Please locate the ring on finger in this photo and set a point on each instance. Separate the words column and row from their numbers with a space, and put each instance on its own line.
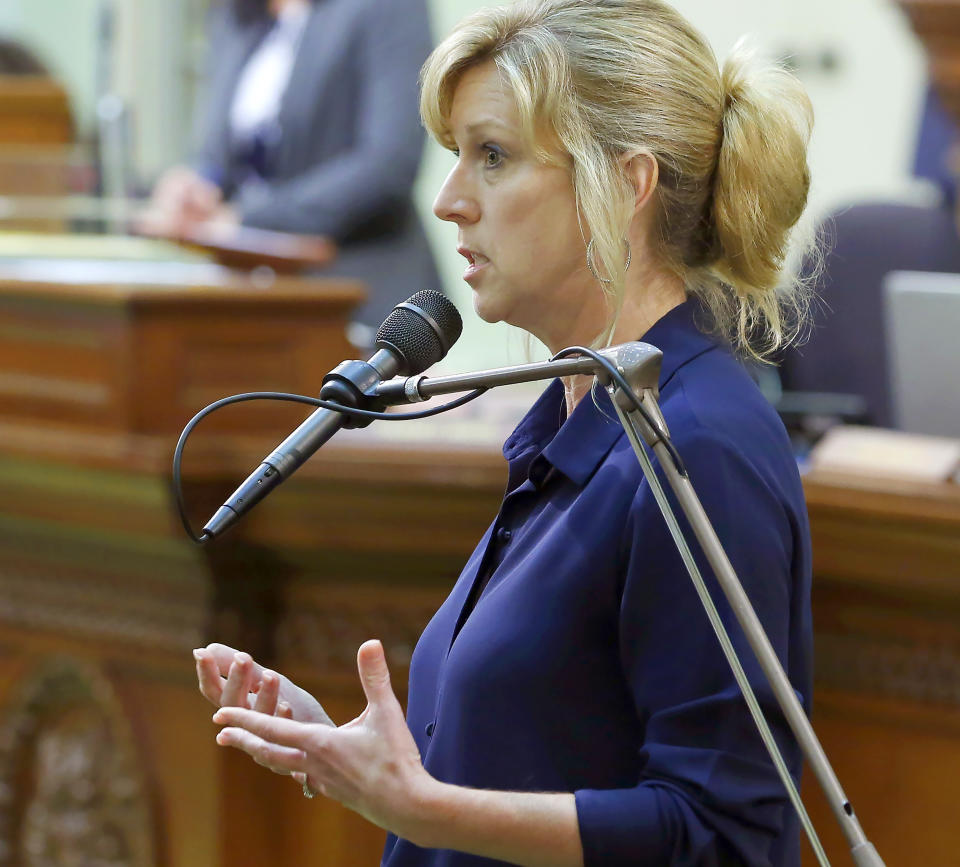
column 307, row 791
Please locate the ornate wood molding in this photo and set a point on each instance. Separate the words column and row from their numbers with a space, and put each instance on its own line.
column 72, row 791
column 917, row 671
column 98, row 607
column 325, row 624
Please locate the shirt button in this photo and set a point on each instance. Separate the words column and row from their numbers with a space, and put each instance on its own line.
column 429, row 729
column 504, row 535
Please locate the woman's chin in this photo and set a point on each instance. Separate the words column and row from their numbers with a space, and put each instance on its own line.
column 486, row 307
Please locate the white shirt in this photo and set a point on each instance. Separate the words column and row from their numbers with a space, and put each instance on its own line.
column 256, row 101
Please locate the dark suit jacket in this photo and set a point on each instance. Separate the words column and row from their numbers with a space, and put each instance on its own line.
column 349, row 139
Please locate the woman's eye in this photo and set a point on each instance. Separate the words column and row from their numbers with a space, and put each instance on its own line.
column 492, row 157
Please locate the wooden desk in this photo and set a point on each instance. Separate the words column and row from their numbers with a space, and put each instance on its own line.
column 36, row 129
column 102, row 598
column 887, row 702
column 139, row 347
column 104, row 748
column 34, row 110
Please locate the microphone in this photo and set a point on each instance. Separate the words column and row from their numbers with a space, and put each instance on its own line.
column 416, row 334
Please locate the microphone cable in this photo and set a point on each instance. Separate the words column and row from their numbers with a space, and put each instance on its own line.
column 290, row 398
column 624, row 386
column 605, row 363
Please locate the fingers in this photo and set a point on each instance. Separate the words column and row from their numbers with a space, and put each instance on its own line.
column 224, row 656
column 243, row 677
column 228, row 677
column 275, row 729
column 239, row 682
column 374, row 674
column 205, row 198
column 208, row 677
column 245, row 680
column 268, row 694
column 276, row 757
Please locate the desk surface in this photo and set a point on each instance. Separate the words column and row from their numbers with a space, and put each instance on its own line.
column 41, row 245
column 132, row 347
column 108, row 280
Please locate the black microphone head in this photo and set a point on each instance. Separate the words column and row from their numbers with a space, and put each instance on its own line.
column 421, row 330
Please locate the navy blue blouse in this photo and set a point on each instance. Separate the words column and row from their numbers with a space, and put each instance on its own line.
column 586, row 663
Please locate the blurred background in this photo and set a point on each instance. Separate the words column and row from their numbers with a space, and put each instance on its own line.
column 202, row 198
column 861, row 62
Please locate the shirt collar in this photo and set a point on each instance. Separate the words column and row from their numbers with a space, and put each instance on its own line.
column 576, row 448
column 678, row 337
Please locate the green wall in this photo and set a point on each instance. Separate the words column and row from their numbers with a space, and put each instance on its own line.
column 62, row 33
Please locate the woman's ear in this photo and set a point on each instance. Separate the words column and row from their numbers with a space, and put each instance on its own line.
column 643, row 173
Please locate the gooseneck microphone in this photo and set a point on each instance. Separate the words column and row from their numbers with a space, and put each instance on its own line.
column 416, row 334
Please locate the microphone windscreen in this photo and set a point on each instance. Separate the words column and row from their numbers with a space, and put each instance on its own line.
column 421, row 330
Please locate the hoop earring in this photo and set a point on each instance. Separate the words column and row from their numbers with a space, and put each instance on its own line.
column 593, row 267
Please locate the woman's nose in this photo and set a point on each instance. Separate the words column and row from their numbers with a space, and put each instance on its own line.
column 454, row 202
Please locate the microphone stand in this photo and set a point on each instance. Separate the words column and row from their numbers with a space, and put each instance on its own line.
column 639, row 365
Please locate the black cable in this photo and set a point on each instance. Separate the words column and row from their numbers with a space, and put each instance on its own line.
column 622, row 383
column 605, row 363
column 291, row 398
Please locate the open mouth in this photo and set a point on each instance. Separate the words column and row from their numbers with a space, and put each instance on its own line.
column 472, row 256
column 476, row 261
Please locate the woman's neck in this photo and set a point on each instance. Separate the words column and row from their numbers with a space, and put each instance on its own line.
column 648, row 296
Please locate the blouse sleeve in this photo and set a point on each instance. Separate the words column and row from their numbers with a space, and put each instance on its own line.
column 708, row 793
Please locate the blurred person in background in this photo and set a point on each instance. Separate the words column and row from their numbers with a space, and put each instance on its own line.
column 309, row 125
column 847, row 350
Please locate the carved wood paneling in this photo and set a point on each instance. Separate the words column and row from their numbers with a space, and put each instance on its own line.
column 72, row 793
column 886, row 606
column 923, row 672
column 103, row 607
column 324, row 625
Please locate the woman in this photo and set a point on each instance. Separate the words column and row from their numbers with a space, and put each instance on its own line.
column 568, row 704
column 309, row 126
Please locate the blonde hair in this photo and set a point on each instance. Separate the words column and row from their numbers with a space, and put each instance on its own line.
column 610, row 77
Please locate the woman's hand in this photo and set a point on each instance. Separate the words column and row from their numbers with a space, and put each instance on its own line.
column 187, row 194
column 181, row 198
column 370, row 765
column 230, row 678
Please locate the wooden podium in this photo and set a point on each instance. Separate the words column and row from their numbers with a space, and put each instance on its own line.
column 34, row 110
column 106, row 748
column 136, row 348
column 36, row 135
